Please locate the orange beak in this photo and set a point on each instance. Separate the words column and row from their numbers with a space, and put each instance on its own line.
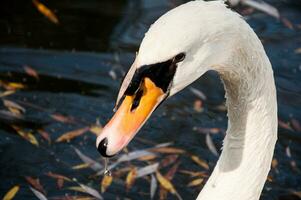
column 129, row 118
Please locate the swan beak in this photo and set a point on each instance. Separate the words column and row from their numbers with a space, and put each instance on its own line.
column 129, row 118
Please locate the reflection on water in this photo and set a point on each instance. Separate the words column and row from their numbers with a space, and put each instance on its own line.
column 76, row 90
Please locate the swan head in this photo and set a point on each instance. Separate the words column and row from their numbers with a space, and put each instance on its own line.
column 177, row 49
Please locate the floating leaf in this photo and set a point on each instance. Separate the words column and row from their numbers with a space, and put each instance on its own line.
column 133, row 155
column 168, row 150
column 11, row 193
column 92, row 163
column 168, row 160
column 284, row 125
column 58, row 176
column 35, row 182
column 150, row 169
column 262, row 6
column 72, row 134
column 198, row 106
column 153, row 186
column 106, row 182
column 77, row 189
column 11, row 85
column 172, row 171
column 195, row 182
column 167, row 185
column 46, row 11
column 31, row 72
column 211, row 145
column 62, row 118
column 38, row 194
column 11, row 104
column 7, row 93
column 287, row 23
column 147, row 158
column 296, row 125
column 130, row 179
column 26, row 135
column 200, row 162
column 91, row 191
column 82, row 166
column 194, row 174
column 198, row 93
column 45, row 135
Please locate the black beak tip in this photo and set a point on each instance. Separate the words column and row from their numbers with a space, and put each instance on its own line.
column 102, row 148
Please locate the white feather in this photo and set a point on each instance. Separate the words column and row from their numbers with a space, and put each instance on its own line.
column 215, row 38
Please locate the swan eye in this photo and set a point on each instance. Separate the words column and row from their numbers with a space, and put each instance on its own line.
column 180, row 57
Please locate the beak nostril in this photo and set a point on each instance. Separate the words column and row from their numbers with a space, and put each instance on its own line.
column 102, row 147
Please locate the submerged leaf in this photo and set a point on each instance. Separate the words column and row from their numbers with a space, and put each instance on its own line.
column 62, row 118
column 46, row 11
column 153, row 186
column 262, row 6
column 45, row 135
column 38, row 194
column 11, row 104
column 91, row 191
column 211, row 145
column 11, row 193
column 168, row 160
column 106, row 182
column 31, row 72
column 6, row 93
column 72, row 134
column 92, row 163
column 168, row 150
column 58, row 176
column 26, row 135
column 130, row 179
column 150, row 169
column 35, row 182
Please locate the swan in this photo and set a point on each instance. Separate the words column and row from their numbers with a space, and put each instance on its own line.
column 180, row 47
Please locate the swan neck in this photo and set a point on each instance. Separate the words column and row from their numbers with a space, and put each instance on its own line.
column 243, row 166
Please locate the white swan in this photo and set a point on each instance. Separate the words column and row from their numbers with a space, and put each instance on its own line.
column 180, row 47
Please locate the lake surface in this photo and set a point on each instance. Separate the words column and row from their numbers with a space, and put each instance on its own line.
column 80, row 64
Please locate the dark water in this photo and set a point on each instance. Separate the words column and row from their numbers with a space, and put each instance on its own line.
column 79, row 85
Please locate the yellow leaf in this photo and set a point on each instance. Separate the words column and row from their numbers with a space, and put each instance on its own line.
column 168, row 150
column 11, row 193
column 147, row 158
column 16, row 85
column 27, row 136
column 105, row 183
column 96, row 129
column 46, row 11
column 77, row 189
column 82, row 166
column 195, row 182
column 200, row 162
column 72, row 134
column 7, row 93
column 166, row 184
column 130, row 179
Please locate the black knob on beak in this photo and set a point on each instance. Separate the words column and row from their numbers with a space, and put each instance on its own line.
column 102, row 147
